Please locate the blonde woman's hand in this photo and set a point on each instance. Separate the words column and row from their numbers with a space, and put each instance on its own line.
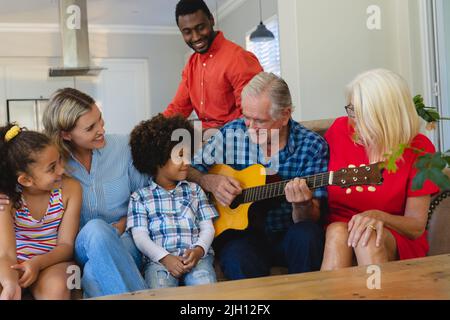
column 30, row 271
column 361, row 226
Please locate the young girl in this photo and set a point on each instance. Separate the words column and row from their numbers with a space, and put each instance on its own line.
column 38, row 230
column 171, row 219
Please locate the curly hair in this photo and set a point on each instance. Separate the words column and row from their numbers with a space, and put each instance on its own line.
column 151, row 142
column 185, row 7
column 16, row 155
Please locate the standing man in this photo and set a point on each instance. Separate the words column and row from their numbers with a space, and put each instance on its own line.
column 213, row 78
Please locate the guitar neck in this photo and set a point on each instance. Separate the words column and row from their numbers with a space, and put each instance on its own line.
column 276, row 189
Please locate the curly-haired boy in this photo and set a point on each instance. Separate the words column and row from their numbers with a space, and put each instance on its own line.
column 171, row 219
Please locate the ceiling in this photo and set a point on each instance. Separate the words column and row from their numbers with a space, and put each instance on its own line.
column 100, row 12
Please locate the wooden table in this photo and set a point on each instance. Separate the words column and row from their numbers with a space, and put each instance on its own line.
column 425, row 278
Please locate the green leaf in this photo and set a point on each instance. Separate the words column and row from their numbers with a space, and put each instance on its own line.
column 418, row 99
column 420, row 105
column 391, row 159
column 433, row 114
column 429, row 114
column 438, row 162
column 424, row 115
column 439, row 178
column 419, row 180
column 446, row 159
column 424, row 162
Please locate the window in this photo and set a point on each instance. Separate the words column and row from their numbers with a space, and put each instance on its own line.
column 268, row 53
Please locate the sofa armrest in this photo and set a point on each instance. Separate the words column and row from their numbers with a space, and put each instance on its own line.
column 439, row 222
column 436, row 200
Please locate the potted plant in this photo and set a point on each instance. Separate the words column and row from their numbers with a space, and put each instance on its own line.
column 429, row 166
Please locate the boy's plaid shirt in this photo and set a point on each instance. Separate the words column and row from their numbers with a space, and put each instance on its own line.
column 171, row 217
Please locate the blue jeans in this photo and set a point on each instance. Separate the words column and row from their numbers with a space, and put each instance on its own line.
column 110, row 263
column 249, row 254
column 157, row 276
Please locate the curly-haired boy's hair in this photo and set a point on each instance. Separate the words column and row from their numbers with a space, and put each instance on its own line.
column 185, row 7
column 151, row 142
column 16, row 156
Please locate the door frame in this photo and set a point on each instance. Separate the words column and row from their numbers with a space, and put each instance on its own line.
column 434, row 66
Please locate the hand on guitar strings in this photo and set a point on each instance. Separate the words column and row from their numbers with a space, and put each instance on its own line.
column 225, row 189
column 298, row 193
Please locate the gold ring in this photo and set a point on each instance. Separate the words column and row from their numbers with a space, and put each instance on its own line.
column 371, row 227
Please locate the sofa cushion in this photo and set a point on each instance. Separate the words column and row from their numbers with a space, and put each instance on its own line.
column 319, row 126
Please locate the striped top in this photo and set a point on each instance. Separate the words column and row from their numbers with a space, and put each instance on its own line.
column 35, row 237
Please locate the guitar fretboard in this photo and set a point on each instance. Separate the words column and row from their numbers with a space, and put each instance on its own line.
column 276, row 189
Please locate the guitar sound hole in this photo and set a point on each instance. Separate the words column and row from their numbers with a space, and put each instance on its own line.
column 236, row 202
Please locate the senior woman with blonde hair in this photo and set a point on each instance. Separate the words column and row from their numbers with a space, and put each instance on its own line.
column 377, row 224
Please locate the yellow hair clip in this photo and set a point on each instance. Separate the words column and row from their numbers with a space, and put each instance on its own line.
column 12, row 133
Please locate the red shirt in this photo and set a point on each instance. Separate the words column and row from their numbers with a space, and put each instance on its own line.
column 212, row 83
column 389, row 197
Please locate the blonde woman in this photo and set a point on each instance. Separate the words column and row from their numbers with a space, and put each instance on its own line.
column 376, row 225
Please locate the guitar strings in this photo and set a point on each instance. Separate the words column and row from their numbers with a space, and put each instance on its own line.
column 275, row 189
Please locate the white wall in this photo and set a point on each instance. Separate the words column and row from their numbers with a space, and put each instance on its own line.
column 326, row 43
column 418, row 85
column 121, row 90
column 165, row 55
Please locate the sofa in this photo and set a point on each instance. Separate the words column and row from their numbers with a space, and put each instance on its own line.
column 439, row 223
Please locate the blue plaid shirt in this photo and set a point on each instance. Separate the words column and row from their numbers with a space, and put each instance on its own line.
column 171, row 217
column 306, row 153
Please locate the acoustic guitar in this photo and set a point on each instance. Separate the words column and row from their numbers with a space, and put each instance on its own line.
column 255, row 188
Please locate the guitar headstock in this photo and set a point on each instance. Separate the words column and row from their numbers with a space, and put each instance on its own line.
column 355, row 176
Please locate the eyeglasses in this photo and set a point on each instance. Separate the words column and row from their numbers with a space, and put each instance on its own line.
column 350, row 109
